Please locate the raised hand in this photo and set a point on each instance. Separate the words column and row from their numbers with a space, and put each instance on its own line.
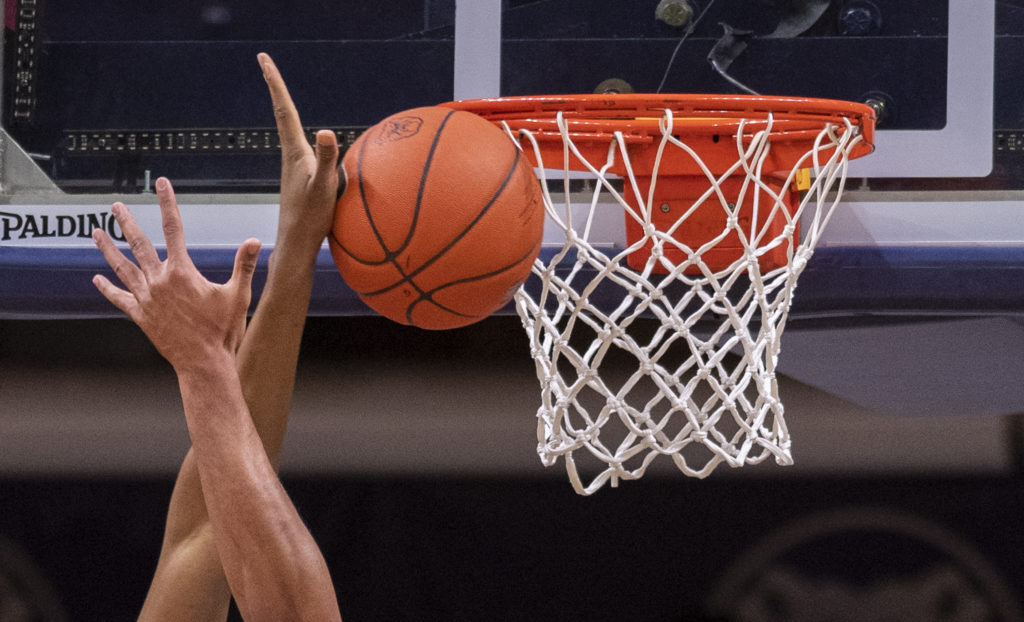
column 188, row 318
column 309, row 177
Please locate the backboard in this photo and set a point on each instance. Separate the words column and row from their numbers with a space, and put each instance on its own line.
column 99, row 100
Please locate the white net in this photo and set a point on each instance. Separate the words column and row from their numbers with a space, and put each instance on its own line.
column 675, row 357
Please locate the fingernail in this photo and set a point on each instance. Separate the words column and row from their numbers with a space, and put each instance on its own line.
column 161, row 183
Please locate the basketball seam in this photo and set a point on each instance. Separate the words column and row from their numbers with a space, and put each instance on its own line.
column 389, row 255
column 407, row 278
column 427, row 296
column 392, row 256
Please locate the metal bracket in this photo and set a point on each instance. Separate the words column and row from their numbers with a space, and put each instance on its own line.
column 19, row 173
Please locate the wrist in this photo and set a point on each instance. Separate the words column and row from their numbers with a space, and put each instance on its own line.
column 211, row 366
column 296, row 250
column 294, row 262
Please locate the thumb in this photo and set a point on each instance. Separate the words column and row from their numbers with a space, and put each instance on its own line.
column 326, row 149
column 326, row 160
column 245, row 265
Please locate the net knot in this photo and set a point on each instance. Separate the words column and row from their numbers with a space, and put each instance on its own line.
column 799, row 261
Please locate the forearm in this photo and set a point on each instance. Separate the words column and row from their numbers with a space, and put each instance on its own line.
column 189, row 581
column 269, row 353
column 268, row 555
column 189, row 575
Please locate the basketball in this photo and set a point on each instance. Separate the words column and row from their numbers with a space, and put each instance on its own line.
column 440, row 220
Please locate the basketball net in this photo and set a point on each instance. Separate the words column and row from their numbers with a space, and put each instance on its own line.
column 700, row 337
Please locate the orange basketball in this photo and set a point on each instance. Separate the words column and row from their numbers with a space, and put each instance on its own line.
column 441, row 218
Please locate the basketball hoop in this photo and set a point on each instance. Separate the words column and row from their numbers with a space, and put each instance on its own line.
column 724, row 199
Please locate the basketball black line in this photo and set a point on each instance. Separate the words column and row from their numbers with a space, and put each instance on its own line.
column 393, row 256
column 407, row 278
column 428, row 296
column 389, row 256
column 362, row 197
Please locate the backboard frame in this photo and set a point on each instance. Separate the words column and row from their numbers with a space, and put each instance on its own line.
column 963, row 148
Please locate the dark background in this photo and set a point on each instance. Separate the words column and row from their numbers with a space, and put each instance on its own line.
column 530, row 549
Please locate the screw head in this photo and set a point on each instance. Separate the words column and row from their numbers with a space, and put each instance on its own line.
column 674, row 12
column 883, row 105
column 859, row 18
column 613, row 85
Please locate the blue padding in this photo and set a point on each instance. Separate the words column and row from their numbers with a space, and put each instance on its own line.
column 912, row 280
column 57, row 283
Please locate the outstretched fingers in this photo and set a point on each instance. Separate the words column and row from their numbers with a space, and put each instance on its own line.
column 137, row 278
column 130, row 275
column 170, row 220
column 289, row 127
column 142, row 249
column 125, row 301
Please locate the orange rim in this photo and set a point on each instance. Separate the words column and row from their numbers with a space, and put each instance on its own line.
column 795, row 121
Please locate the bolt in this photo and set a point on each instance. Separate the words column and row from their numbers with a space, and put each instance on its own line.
column 859, row 18
column 666, row 208
column 613, row 85
column 879, row 106
column 883, row 105
column 856, row 21
column 674, row 12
